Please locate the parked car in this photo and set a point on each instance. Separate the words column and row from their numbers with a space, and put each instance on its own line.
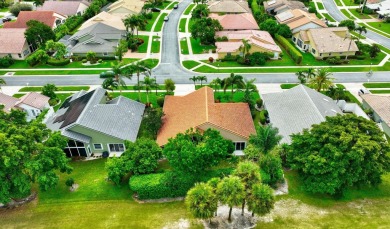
column 155, row 9
column 166, row 18
column 107, row 74
column 6, row 19
column 176, row 6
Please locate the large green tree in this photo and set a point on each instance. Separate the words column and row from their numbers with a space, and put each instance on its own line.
column 37, row 33
column 204, row 29
column 200, row 11
column 262, row 200
column 231, row 191
column 148, row 84
column 342, row 152
column 194, row 152
column 30, row 153
column 201, row 201
column 271, row 167
column 266, row 138
column 50, row 90
column 233, row 80
column 151, row 122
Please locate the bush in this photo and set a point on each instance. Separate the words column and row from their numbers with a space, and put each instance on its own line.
column 333, row 60
column 230, row 58
column 73, row 22
column 15, row 9
column 37, row 57
column 160, row 101
column 55, row 62
column 263, row 119
column 69, row 182
column 84, row 61
column 148, row 15
column 100, row 61
column 53, row 102
column 258, row 58
column 6, row 61
column 107, row 74
column 271, row 164
column 211, row 59
column 223, row 38
column 361, row 57
column 312, row 10
column 259, row 103
column 291, row 50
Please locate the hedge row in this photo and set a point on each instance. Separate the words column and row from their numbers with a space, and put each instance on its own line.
column 255, row 7
column 169, row 184
column 291, row 50
column 55, row 62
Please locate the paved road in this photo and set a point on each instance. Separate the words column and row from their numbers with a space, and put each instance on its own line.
column 331, row 7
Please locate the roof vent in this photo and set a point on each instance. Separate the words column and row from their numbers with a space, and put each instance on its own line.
column 334, row 110
column 326, row 100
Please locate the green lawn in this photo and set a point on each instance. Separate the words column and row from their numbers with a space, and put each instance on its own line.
column 361, row 37
column 338, row 2
column 237, row 96
column 151, row 63
column 197, row 48
column 376, row 85
column 156, row 44
column 60, row 88
column 151, row 21
column 182, row 25
column 327, row 16
column 144, row 47
column 384, row 27
column 320, row 6
column 189, row 64
column 134, row 87
column 380, row 91
column 160, row 23
column 22, row 64
column 61, row 97
column 55, row 72
column 189, row 8
column 288, row 85
column 165, row 4
column 134, row 96
column 359, row 15
column 350, row 2
column 184, row 47
column 345, row 12
column 170, row 6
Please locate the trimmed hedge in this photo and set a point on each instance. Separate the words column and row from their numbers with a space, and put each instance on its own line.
column 169, row 184
column 291, row 50
column 263, row 119
column 55, row 62
column 255, row 7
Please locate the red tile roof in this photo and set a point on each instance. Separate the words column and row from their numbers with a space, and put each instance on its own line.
column 12, row 40
column 236, row 21
column 62, row 7
column 8, row 102
column 46, row 17
column 34, row 99
column 193, row 110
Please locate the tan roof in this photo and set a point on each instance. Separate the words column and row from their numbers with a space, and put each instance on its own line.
column 195, row 109
column 296, row 18
column 236, row 21
column 277, row 5
column 46, row 17
column 228, row 6
column 8, row 102
column 303, row 35
column 380, row 104
column 62, row 7
column 12, row 40
column 256, row 37
column 34, row 99
column 326, row 40
column 131, row 5
column 105, row 18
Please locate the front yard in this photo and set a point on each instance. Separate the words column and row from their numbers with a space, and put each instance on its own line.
column 385, row 27
column 22, row 64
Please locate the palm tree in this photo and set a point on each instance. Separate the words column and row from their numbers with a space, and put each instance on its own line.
column 310, row 72
column 138, row 68
column 2, row 82
column 110, row 84
column 201, row 201
column 194, row 79
column 141, row 23
column 262, row 200
column 301, row 76
column 233, row 80
column 350, row 43
column 248, row 88
column 201, row 79
column 216, row 83
column 336, row 93
column 131, row 22
column 361, row 29
column 231, row 191
column 121, row 72
column 148, row 83
column 245, row 47
column 266, row 138
column 322, row 80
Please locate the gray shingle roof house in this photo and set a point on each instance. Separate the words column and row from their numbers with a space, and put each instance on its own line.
column 293, row 110
column 99, row 38
column 94, row 124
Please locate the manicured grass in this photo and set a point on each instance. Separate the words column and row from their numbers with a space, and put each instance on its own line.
column 320, row 6
column 189, row 8
column 345, row 12
column 60, row 88
column 361, row 37
column 151, row 63
column 237, row 96
column 151, row 21
column 22, row 64
column 165, row 4
column 160, row 23
column 384, row 27
column 197, row 48
column 56, row 72
column 380, row 91
column 144, row 47
column 182, row 25
column 358, row 14
column 3, row 10
column 61, row 97
column 18, row 95
column 327, row 16
column 338, row 2
column 189, row 64
column 156, row 44
column 134, row 96
column 376, row 85
column 184, row 47
column 170, row 6
column 350, row 2
column 134, row 87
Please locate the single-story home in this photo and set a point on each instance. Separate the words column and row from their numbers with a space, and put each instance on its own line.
column 32, row 103
column 298, row 20
column 234, row 22
column 198, row 110
column 49, row 18
column 300, row 107
column 68, row 8
column 14, row 44
column 261, row 41
column 228, row 6
column 380, row 105
column 278, row 6
column 105, row 18
column 93, row 124
column 126, row 7
column 326, row 42
column 99, row 38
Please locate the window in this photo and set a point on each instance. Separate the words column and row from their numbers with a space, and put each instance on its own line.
column 320, row 54
column 294, row 39
column 19, row 55
column 75, row 148
column 98, row 146
column 33, row 112
column 116, row 147
column 341, row 53
column 313, row 51
column 26, row 52
column 330, row 53
column 105, row 54
column 239, row 145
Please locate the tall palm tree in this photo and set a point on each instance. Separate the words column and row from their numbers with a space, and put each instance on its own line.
column 2, row 82
column 131, row 22
column 201, row 79
column 336, row 93
column 245, row 47
column 310, row 72
column 360, row 30
column 233, row 80
column 121, row 72
column 350, row 43
column 216, row 83
column 148, row 83
column 138, row 68
column 110, row 84
column 301, row 76
column 194, row 79
column 323, row 79
column 249, row 88
column 141, row 23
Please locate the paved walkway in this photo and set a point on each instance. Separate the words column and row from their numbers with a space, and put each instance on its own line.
column 354, row 89
column 267, row 88
column 184, row 89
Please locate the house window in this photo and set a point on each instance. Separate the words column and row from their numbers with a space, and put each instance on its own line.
column 341, row 53
column 239, row 145
column 294, row 39
column 299, row 43
column 313, row 51
column 330, row 53
column 105, row 54
column 19, row 55
column 26, row 52
column 116, row 147
column 75, row 148
column 98, row 146
column 320, row 54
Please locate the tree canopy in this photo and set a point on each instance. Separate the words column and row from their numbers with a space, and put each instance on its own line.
column 204, row 29
column 342, row 152
column 266, row 138
column 38, row 33
column 201, row 201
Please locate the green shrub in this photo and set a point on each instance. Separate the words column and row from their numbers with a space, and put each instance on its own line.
column 6, row 61
column 55, row 62
column 230, row 58
column 291, row 50
column 38, row 57
column 312, row 10
column 160, row 101
column 84, row 61
column 69, row 182
column 53, row 102
column 265, row 177
column 333, row 60
column 100, row 61
column 263, row 119
column 259, row 103
column 15, row 9
column 361, row 57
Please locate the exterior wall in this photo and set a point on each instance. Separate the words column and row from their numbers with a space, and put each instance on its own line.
column 32, row 112
column 307, row 26
column 60, row 18
column 15, row 56
column 254, row 48
column 97, row 138
column 224, row 133
column 81, row 9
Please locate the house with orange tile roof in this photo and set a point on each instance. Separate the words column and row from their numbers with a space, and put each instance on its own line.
column 198, row 110
column 234, row 22
column 298, row 20
column 13, row 43
column 261, row 41
column 49, row 18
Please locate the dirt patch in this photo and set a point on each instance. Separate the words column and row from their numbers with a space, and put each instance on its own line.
column 181, row 224
column 16, row 203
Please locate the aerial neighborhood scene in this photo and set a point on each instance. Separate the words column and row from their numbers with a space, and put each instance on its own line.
column 181, row 114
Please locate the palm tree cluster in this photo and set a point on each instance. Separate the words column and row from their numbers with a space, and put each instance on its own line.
column 319, row 79
column 135, row 22
column 198, row 78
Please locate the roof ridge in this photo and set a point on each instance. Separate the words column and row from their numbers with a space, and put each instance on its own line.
column 207, row 105
column 303, row 87
column 86, row 106
column 231, row 131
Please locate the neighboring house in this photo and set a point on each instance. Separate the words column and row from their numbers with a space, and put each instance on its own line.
column 14, row 44
column 234, row 22
column 228, row 6
column 93, row 124
column 381, row 8
column 68, row 8
column 326, row 42
column 298, row 20
column 49, row 18
column 99, row 38
column 198, row 110
column 380, row 105
column 278, row 6
column 32, row 103
column 126, row 7
column 105, row 18
column 261, row 41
